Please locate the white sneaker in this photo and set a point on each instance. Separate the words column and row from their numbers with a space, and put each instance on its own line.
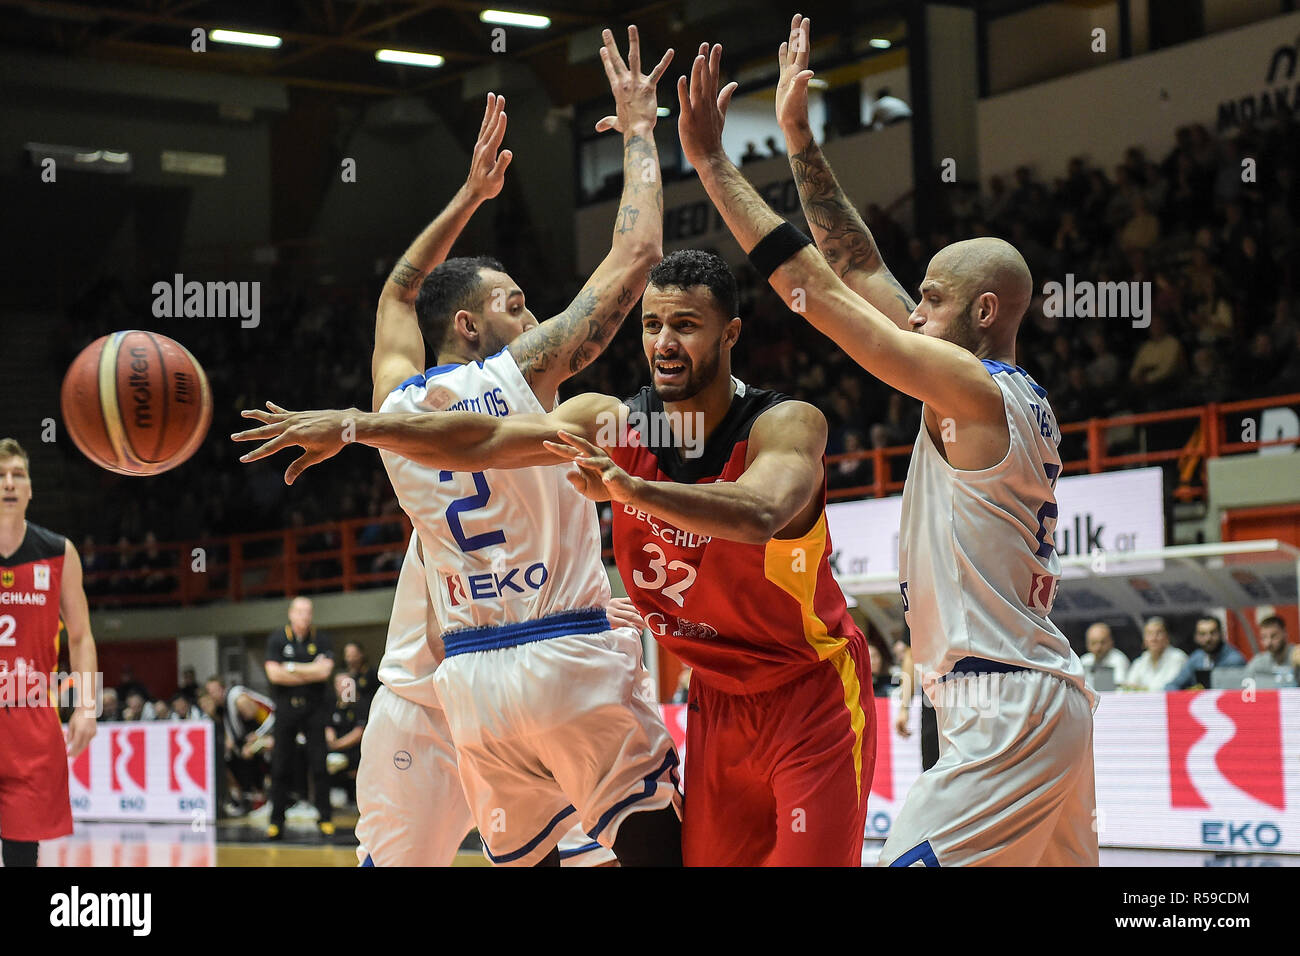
column 338, row 798
column 302, row 812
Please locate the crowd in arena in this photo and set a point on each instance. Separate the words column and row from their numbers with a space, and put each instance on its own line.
column 1224, row 323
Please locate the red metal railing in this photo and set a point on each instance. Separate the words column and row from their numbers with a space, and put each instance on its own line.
column 367, row 552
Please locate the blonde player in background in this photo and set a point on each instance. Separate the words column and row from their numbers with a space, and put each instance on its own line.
column 1014, row 782
column 548, row 704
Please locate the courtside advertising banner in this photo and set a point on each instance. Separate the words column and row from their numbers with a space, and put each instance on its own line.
column 159, row 772
column 1103, row 515
column 1210, row 770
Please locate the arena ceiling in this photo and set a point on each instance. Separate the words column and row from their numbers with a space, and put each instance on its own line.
column 330, row 45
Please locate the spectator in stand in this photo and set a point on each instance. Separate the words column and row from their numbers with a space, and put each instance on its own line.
column 136, row 706
column 189, row 688
column 158, row 710
column 129, row 685
column 1142, row 230
column 888, row 109
column 751, row 154
column 1211, row 651
column 343, row 733
column 111, row 707
column 1102, row 652
column 882, row 680
column 1159, row 663
column 364, row 681
column 182, row 709
column 851, row 473
column 1276, row 654
column 1160, row 360
column 152, row 566
column 773, row 150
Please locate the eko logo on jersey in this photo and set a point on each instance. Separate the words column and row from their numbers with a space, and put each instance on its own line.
column 510, row 582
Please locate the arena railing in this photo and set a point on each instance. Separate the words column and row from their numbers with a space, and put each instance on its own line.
column 360, row 553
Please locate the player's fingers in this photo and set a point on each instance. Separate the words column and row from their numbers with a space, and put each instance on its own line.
column 488, row 110
column 257, row 415
column 633, row 50
column 715, row 69
column 269, row 448
column 800, row 44
column 277, row 409
column 658, row 71
column 616, row 63
column 305, row 461
column 780, row 54
column 498, row 134
column 606, row 123
column 503, row 162
column 567, row 452
column 578, row 442
column 683, row 99
column 697, row 81
column 724, row 98
column 609, row 69
column 258, row 434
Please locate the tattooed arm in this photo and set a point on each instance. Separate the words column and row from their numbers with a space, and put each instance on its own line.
column 399, row 344
column 566, row 344
column 842, row 237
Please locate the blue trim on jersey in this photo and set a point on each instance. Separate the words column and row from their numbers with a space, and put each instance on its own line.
column 533, row 843
column 978, row 665
column 422, row 378
column 922, row 852
column 651, row 788
column 578, row 851
column 469, row 639
column 369, row 861
column 995, row 367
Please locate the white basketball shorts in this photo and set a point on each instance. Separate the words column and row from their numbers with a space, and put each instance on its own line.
column 554, row 732
column 1014, row 782
column 413, row 809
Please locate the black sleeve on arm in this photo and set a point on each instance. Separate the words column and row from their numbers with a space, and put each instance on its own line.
column 275, row 647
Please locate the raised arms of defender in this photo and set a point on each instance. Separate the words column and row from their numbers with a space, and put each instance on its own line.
column 562, row 346
column 842, row 237
column 949, row 379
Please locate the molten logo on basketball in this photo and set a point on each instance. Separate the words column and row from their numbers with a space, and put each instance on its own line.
column 1223, row 750
column 141, row 393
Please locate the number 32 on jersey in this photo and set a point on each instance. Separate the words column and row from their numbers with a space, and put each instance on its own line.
column 660, row 571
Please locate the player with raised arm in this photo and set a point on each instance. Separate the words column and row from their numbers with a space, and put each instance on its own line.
column 724, row 553
column 977, row 564
column 40, row 583
column 548, row 705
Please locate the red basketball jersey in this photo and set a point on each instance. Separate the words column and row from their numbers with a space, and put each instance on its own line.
column 745, row 617
column 30, row 582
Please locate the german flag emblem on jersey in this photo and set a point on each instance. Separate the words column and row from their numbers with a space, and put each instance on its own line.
column 7, row 578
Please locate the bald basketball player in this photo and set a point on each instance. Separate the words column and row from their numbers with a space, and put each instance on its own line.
column 977, row 565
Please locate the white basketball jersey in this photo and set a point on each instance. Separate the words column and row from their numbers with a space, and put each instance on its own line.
column 408, row 663
column 977, row 561
column 500, row 547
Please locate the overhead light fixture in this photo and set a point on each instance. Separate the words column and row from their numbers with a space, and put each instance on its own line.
column 409, row 58
column 80, row 158
column 662, row 111
column 193, row 164
column 506, row 18
column 817, row 83
column 880, row 43
column 263, row 40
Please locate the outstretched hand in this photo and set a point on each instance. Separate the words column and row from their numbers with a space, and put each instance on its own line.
column 634, row 92
column 321, row 435
column 597, row 477
column 703, row 106
column 792, row 88
column 487, row 167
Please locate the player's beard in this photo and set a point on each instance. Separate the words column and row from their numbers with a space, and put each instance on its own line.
column 962, row 331
column 697, row 379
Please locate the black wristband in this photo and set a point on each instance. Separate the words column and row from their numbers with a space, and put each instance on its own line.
column 776, row 247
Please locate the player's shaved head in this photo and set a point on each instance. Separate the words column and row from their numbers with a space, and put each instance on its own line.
column 993, row 282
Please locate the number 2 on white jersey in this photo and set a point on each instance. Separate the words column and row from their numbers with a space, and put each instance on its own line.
column 673, row 592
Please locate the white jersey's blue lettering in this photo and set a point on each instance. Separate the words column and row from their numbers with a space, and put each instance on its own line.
column 500, row 547
column 977, row 559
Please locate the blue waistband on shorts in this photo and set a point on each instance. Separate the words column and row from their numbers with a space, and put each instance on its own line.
column 979, row 665
column 469, row 639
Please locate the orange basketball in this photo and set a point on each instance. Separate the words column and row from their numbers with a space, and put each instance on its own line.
column 136, row 403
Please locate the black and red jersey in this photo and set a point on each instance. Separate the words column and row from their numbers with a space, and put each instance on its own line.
column 745, row 617
column 31, row 580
